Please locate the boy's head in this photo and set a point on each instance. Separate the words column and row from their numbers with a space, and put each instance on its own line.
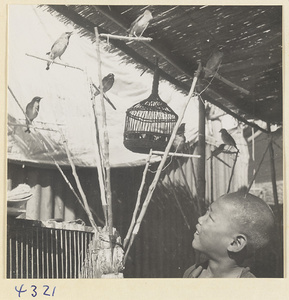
column 233, row 223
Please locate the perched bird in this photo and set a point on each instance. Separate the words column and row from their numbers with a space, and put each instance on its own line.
column 213, row 63
column 217, row 151
column 107, row 83
column 138, row 26
column 32, row 110
column 180, row 139
column 58, row 47
column 227, row 138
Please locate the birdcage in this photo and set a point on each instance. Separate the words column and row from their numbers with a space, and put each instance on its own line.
column 149, row 123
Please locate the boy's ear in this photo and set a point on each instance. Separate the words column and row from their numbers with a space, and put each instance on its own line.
column 238, row 243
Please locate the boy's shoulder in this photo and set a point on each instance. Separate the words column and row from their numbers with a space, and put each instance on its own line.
column 189, row 272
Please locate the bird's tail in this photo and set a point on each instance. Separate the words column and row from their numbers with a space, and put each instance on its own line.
column 111, row 104
column 48, row 65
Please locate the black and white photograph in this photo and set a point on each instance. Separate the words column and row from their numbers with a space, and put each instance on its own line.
column 144, row 141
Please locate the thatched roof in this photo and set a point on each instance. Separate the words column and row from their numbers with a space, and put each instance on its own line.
column 250, row 37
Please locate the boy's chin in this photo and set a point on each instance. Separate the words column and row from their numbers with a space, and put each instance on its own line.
column 195, row 244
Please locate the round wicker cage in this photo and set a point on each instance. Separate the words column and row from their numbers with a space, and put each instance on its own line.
column 149, row 123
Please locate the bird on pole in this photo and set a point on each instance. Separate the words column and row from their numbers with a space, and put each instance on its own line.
column 213, row 63
column 107, row 83
column 227, row 138
column 217, row 151
column 58, row 48
column 180, row 139
column 32, row 109
column 138, row 26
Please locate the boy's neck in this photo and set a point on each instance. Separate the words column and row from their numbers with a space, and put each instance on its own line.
column 224, row 268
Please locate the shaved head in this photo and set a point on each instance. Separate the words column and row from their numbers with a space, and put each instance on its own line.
column 253, row 218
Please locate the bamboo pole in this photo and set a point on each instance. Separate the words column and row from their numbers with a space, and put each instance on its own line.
column 125, row 38
column 226, row 81
column 160, row 167
column 128, row 235
column 221, row 161
column 201, row 164
column 31, row 126
column 83, row 196
column 232, row 173
column 212, row 180
column 106, row 146
column 176, row 154
column 99, row 161
column 273, row 172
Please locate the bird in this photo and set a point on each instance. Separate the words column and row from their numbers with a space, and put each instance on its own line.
column 107, row 83
column 217, row 151
column 227, row 138
column 213, row 63
column 138, row 26
column 32, row 109
column 58, row 47
column 180, row 139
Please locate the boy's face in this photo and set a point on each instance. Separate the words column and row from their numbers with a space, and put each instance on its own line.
column 215, row 230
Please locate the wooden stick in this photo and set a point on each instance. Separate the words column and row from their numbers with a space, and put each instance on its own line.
column 201, row 149
column 226, row 81
column 232, row 173
column 31, row 126
column 83, row 196
column 273, row 173
column 160, row 167
column 126, row 38
column 54, row 62
column 128, row 235
column 222, row 161
column 99, row 161
column 106, row 146
column 212, row 179
column 19, row 104
column 176, row 154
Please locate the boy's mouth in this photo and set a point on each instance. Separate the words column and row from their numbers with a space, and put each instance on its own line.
column 197, row 230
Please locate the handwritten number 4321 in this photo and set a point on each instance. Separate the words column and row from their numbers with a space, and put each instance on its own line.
column 35, row 290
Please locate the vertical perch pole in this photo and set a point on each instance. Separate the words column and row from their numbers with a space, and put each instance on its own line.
column 201, row 164
column 106, row 142
column 273, row 173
